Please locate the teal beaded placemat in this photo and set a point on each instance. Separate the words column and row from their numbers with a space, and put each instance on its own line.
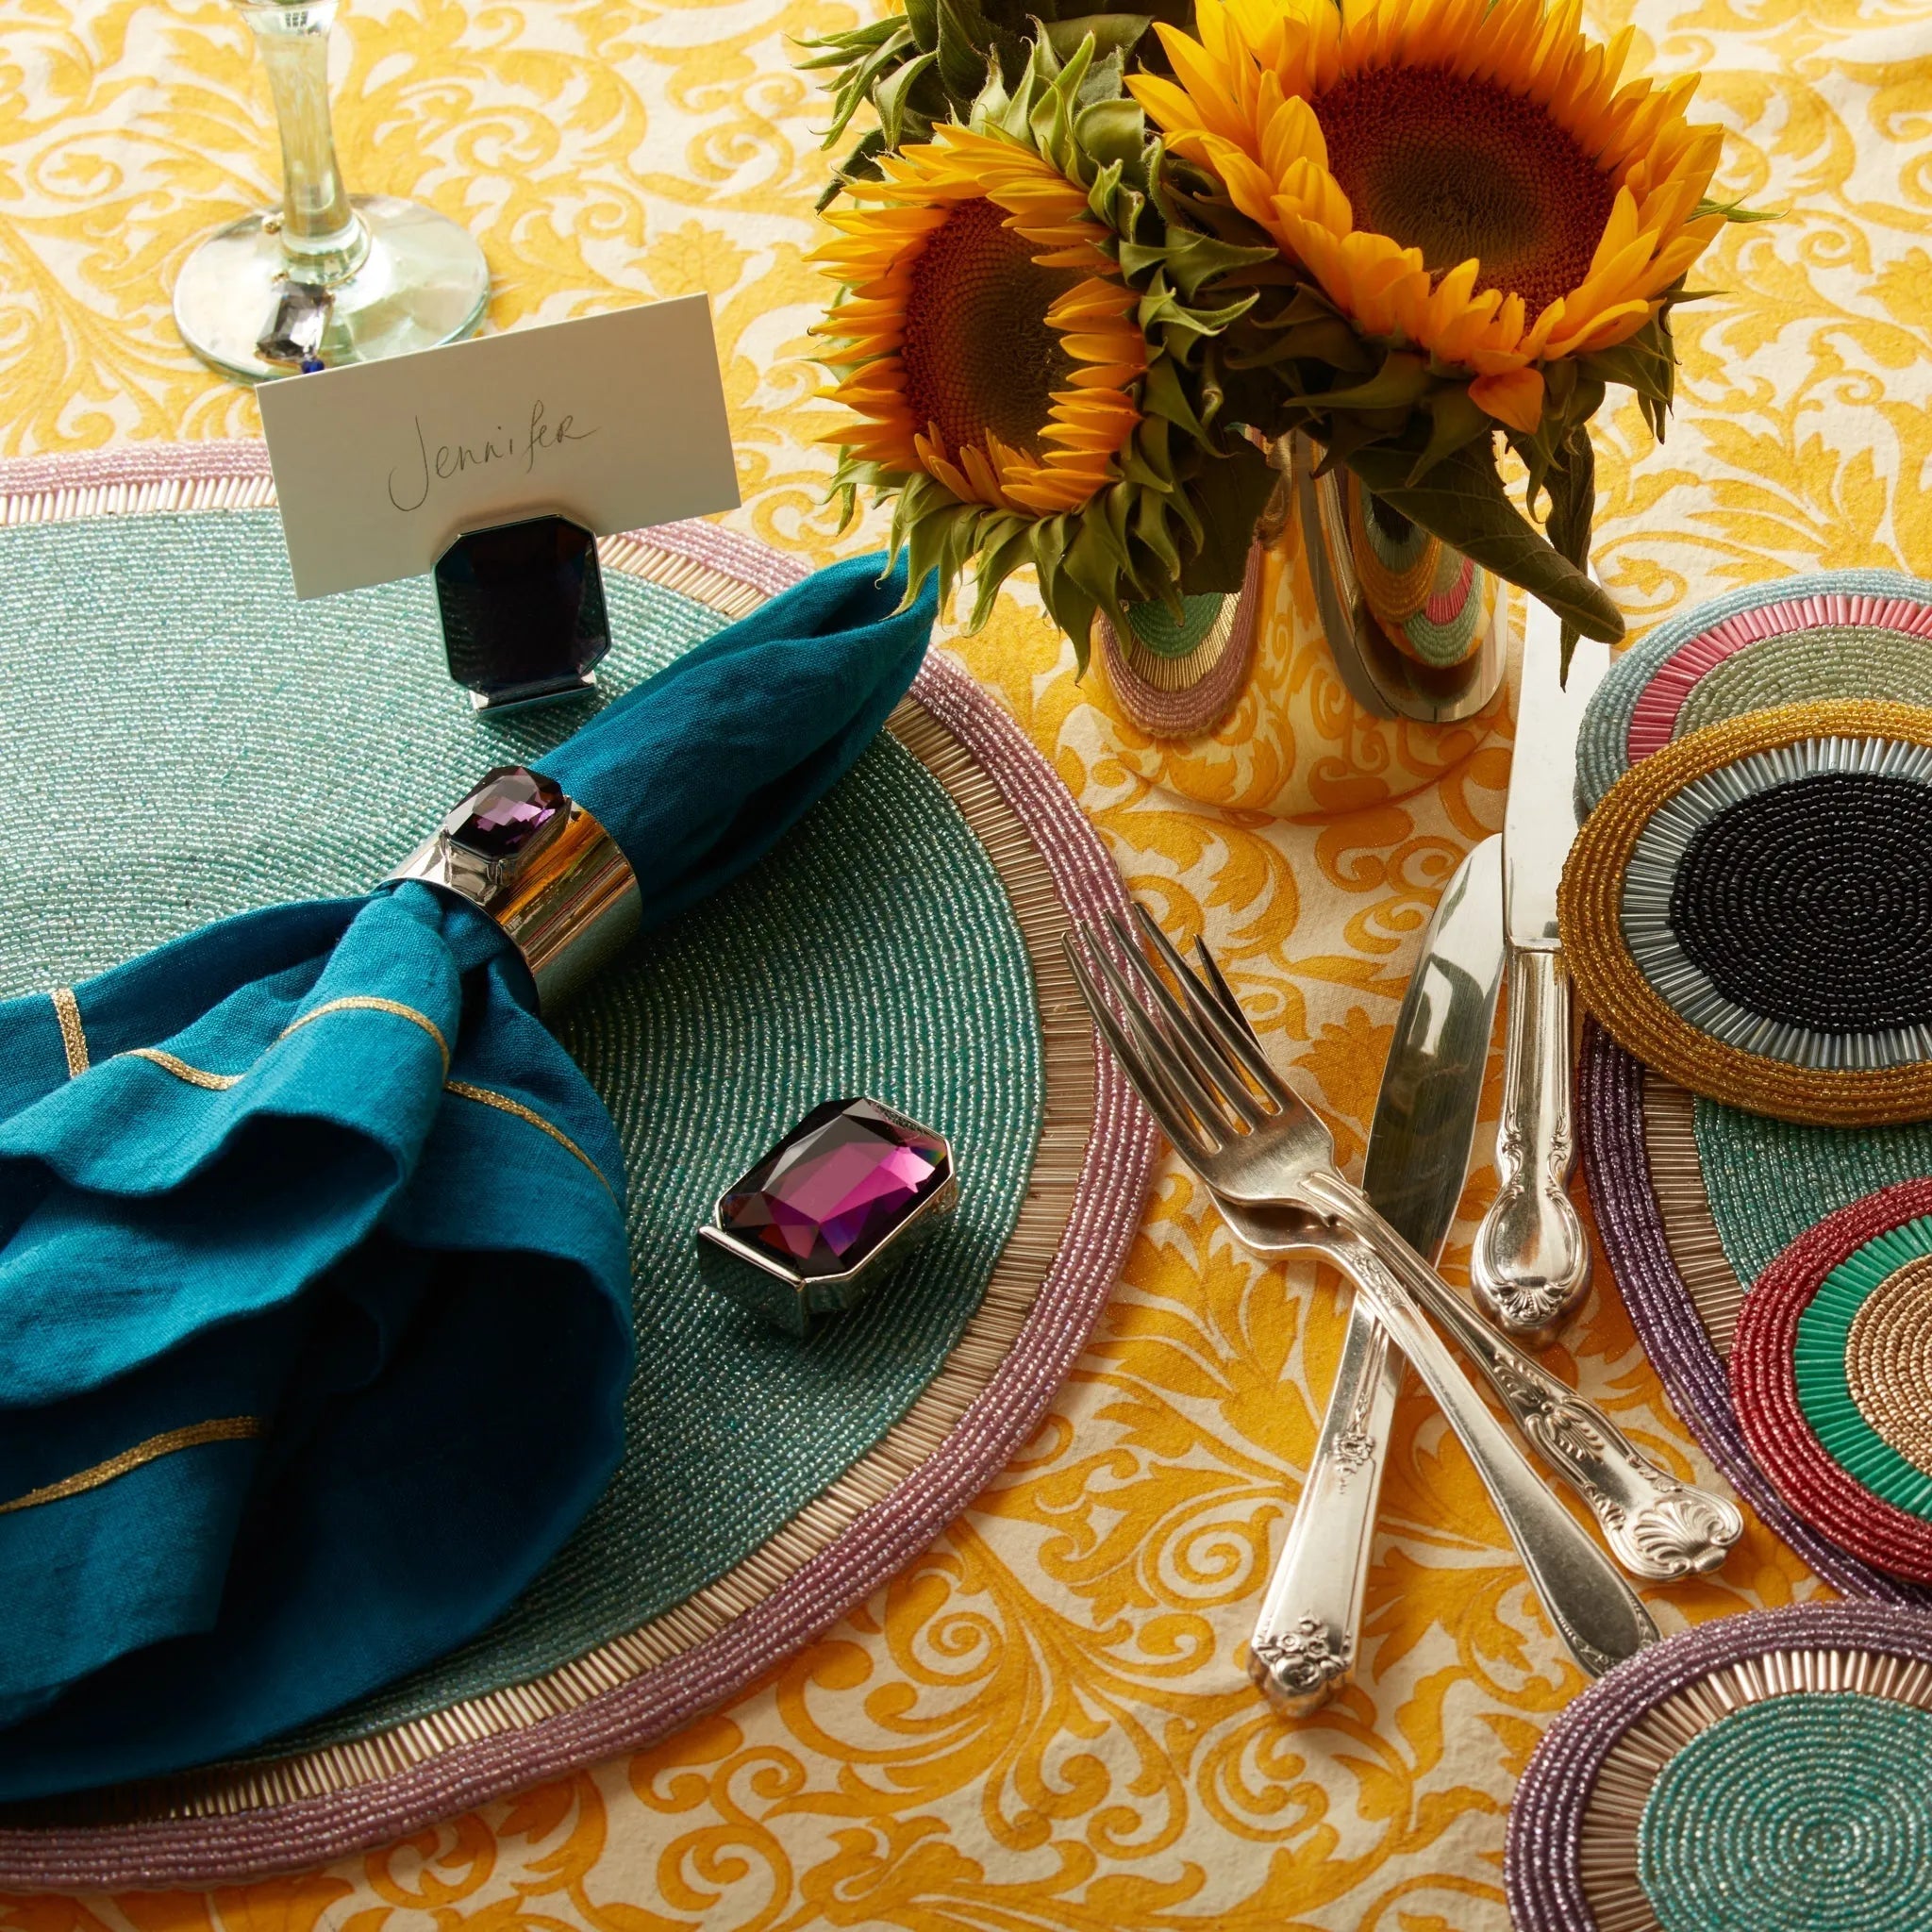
column 1763, row 1773
column 183, row 740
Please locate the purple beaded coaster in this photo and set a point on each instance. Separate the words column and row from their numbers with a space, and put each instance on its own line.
column 239, row 1821
column 1764, row 1772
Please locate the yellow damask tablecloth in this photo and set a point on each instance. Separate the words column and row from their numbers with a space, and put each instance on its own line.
column 1044, row 1722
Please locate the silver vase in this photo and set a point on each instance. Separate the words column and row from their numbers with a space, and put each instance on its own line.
column 1417, row 629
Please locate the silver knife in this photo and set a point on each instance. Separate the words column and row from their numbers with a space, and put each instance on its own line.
column 1531, row 1262
column 1307, row 1636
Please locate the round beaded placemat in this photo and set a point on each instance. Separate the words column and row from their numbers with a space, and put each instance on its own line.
column 1749, row 910
column 1834, row 634
column 1765, row 1773
column 457, row 1735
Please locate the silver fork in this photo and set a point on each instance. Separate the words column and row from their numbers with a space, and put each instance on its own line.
column 1660, row 1529
column 1270, row 1164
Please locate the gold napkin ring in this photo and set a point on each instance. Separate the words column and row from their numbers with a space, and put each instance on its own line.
column 543, row 869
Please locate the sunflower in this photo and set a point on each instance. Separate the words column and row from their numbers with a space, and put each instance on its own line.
column 1027, row 364
column 993, row 340
column 1462, row 176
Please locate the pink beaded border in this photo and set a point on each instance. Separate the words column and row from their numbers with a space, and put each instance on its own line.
column 1114, row 1178
column 1670, row 686
column 1764, row 1389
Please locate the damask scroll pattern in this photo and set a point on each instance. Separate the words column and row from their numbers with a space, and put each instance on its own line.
column 1043, row 1724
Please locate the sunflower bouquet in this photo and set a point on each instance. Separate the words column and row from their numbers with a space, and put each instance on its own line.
column 1078, row 305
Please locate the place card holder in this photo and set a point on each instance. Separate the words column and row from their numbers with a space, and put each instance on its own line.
column 524, row 617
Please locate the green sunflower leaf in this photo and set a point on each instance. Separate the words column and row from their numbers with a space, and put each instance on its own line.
column 922, row 17
column 1230, row 492
column 1572, row 506
column 1190, row 258
column 1163, row 395
column 1735, row 211
column 861, row 164
column 898, row 117
column 1112, row 132
column 1399, row 384
column 1463, row 502
column 1111, row 33
column 1644, row 363
column 969, row 47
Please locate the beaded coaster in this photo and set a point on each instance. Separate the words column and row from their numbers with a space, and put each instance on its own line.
column 1835, row 634
column 1765, row 1773
column 1749, row 910
column 1828, row 1376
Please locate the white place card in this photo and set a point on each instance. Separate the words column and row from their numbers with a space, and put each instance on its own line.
column 617, row 420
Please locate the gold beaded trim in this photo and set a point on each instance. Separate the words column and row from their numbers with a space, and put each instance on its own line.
column 373, row 1003
column 1611, row 985
column 72, row 1034
column 487, row 1096
column 234, row 1428
column 1888, row 1361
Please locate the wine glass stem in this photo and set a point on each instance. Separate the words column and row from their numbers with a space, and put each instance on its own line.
column 323, row 239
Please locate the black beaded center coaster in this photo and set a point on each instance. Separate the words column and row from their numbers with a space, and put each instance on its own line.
column 1811, row 904
column 1749, row 911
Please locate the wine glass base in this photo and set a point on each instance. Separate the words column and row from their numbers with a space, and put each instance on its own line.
column 424, row 283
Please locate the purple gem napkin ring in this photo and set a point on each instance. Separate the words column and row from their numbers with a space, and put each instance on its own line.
column 836, row 1204
column 543, row 869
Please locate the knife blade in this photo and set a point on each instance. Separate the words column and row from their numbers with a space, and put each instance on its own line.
column 1531, row 1261
column 1307, row 1636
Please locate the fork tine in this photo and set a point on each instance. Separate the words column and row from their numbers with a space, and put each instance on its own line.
column 1211, row 1063
column 1238, row 1037
column 1219, row 986
column 1169, row 1116
column 1180, row 1074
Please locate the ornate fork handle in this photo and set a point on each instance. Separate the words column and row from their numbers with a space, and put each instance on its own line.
column 1659, row 1527
column 1594, row 1610
column 1304, row 1646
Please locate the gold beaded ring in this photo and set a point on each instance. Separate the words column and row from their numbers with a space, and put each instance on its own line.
column 1611, row 983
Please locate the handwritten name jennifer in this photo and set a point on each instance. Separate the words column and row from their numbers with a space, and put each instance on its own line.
column 451, row 460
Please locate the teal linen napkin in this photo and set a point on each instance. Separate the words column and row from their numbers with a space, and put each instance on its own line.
column 314, row 1298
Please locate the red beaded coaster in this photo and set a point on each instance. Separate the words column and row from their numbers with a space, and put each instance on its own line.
column 1826, row 1378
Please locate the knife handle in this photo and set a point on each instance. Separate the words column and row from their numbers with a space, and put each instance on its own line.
column 1595, row 1612
column 1304, row 1648
column 1531, row 1262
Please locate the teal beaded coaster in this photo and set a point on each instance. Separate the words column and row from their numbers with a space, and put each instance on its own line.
column 1767, row 1772
column 1809, row 1813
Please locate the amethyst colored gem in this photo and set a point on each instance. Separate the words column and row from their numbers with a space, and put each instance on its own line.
column 508, row 814
column 850, row 1174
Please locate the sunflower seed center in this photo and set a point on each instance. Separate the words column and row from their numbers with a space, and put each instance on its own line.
column 1456, row 166
column 978, row 352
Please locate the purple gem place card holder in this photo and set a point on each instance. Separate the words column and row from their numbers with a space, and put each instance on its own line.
column 493, row 466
